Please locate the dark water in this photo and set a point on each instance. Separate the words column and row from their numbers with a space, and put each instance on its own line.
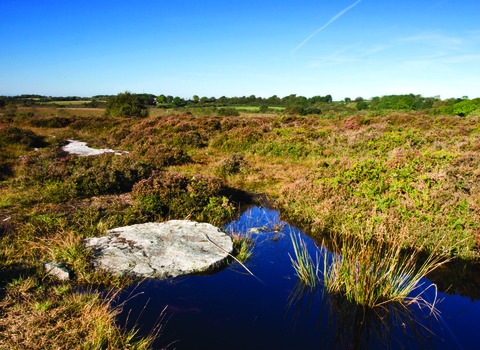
column 233, row 310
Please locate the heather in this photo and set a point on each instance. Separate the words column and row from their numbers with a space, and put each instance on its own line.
column 381, row 176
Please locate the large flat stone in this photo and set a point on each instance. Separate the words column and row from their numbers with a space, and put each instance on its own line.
column 162, row 250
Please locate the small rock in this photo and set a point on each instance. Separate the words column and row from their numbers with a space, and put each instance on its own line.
column 257, row 229
column 57, row 269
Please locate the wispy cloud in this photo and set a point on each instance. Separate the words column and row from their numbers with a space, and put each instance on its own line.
column 335, row 58
column 434, row 39
column 441, row 62
column 326, row 25
column 351, row 53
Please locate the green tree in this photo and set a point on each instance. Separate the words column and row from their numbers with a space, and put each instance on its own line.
column 195, row 98
column 361, row 105
column 126, row 104
column 348, row 99
column 263, row 108
column 177, row 101
column 162, row 99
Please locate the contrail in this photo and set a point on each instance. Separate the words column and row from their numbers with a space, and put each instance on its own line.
column 333, row 19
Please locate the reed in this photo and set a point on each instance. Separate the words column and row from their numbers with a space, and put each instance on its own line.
column 242, row 246
column 305, row 268
column 367, row 272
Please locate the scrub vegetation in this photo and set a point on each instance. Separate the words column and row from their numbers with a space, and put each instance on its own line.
column 402, row 178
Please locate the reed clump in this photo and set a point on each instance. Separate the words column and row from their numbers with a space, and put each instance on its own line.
column 305, row 268
column 367, row 272
column 242, row 246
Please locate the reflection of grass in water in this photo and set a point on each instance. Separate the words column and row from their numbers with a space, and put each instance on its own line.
column 365, row 272
column 347, row 325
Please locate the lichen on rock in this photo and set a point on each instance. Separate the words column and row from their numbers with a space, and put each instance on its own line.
column 160, row 250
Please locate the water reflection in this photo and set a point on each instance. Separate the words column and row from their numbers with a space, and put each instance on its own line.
column 231, row 309
column 346, row 325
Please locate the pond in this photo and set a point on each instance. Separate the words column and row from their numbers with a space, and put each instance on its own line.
column 231, row 309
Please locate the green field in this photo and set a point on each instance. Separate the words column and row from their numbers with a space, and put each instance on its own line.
column 252, row 108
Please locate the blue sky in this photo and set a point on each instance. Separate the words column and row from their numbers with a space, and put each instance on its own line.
column 346, row 48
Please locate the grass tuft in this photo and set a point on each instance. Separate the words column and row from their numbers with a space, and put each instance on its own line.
column 242, row 247
column 305, row 268
column 367, row 272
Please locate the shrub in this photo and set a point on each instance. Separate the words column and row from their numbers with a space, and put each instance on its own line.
column 313, row 110
column 10, row 135
column 263, row 108
column 85, row 176
column 160, row 155
column 232, row 165
column 295, row 110
column 126, row 104
column 173, row 195
column 51, row 122
column 227, row 112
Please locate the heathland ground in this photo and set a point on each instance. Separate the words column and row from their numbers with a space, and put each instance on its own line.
column 398, row 175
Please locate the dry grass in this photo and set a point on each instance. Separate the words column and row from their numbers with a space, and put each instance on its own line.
column 39, row 316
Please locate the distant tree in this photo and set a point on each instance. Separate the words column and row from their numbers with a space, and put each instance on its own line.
column 358, row 99
column 223, row 100
column 295, row 110
column 263, row 108
column 162, row 99
column 169, row 99
column 348, row 99
column 195, row 98
column 361, row 105
column 177, row 101
column 328, row 99
column 126, row 104
column 2, row 103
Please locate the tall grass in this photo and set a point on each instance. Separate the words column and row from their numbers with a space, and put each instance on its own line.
column 367, row 272
column 242, row 246
column 305, row 268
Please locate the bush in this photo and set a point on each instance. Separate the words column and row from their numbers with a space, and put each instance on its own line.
column 51, row 122
column 10, row 135
column 467, row 107
column 173, row 195
column 234, row 164
column 295, row 110
column 85, row 176
column 160, row 155
column 313, row 110
column 227, row 112
column 126, row 104
column 263, row 108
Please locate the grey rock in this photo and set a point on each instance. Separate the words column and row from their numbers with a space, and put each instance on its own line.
column 57, row 269
column 161, row 250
